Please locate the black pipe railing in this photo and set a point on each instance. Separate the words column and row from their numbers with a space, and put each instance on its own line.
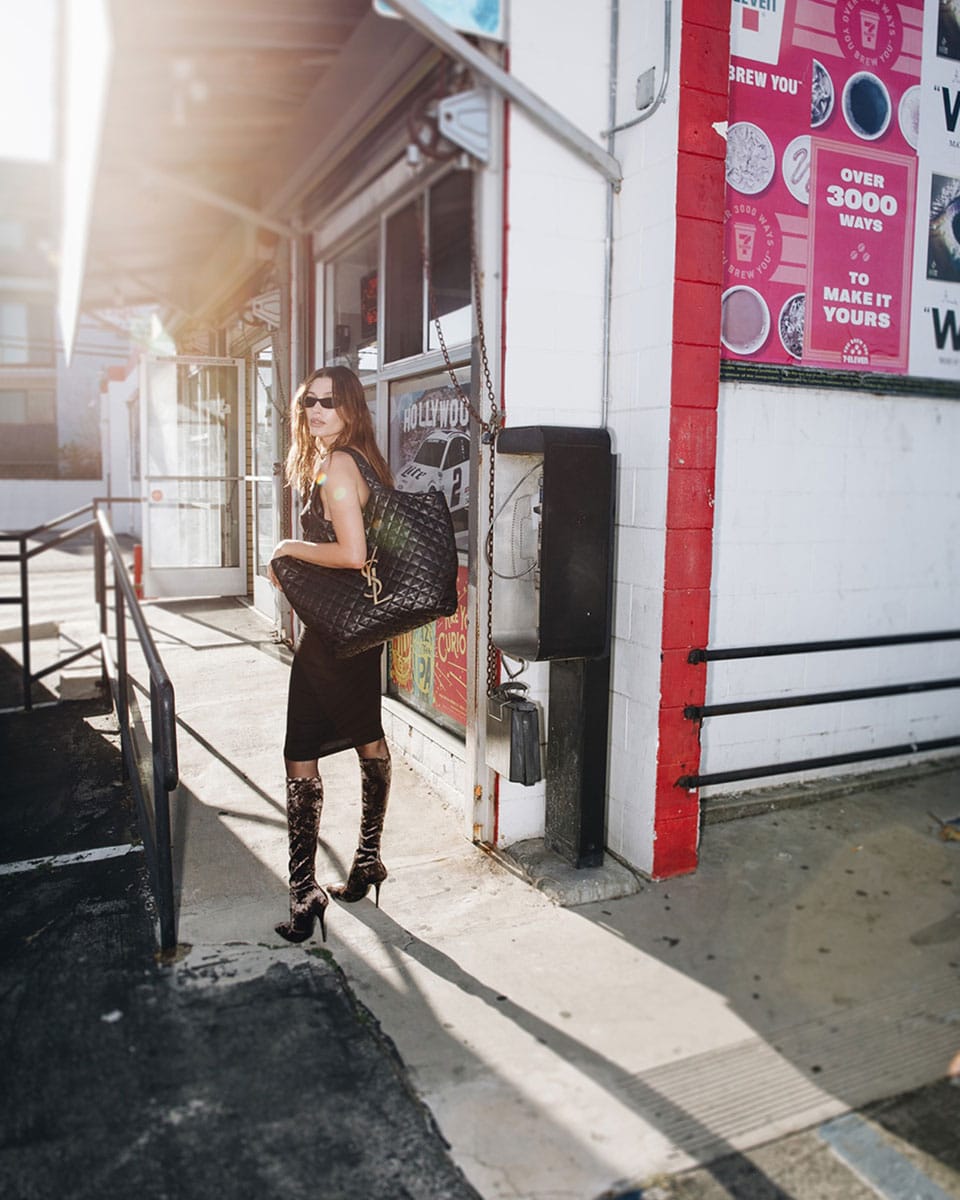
column 864, row 643
column 701, row 712
column 115, row 675
column 163, row 720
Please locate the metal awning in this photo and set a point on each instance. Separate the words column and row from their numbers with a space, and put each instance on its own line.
column 220, row 121
column 212, row 112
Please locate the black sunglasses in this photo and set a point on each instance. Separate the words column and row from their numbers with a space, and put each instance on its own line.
column 308, row 401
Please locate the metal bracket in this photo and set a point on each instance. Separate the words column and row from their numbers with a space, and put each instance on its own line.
column 545, row 115
column 266, row 308
column 464, row 119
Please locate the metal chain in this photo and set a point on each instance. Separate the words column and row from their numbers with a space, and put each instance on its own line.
column 491, row 428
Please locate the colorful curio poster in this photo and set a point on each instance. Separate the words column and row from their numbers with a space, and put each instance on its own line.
column 430, row 451
column 829, row 186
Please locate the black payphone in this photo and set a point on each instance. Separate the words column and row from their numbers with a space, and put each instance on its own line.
column 552, row 598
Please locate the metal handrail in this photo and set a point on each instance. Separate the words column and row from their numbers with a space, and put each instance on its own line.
column 156, row 832
column 705, row 654
column 701, row 712
column 163, row 720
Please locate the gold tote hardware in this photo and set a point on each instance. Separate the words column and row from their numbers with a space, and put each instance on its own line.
column 369, row 572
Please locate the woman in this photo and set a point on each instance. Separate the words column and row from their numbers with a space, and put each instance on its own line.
column 333, row 703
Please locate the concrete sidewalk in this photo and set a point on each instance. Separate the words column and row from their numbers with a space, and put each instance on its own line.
column 809, row 967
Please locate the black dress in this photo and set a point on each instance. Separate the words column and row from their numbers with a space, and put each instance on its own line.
column 333, row 703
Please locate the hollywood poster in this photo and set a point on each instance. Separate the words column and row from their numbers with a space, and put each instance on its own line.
column 841, row 217
column 430, row 451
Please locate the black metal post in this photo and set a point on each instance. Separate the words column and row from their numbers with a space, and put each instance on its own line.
column 25, row 626
column 123, row 696
column 161, row 706
column 577, row 759
column 100, row 592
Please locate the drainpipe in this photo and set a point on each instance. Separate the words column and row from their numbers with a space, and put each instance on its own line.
column 608, row 231
column 652, row 107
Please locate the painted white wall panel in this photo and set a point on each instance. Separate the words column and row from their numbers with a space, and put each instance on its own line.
column 25, row 503
column 838, row 515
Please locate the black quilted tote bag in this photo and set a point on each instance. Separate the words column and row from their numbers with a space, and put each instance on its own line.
column 409, row 578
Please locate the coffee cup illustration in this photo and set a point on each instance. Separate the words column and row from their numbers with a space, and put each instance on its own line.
column 866, row 105
column 744, row 320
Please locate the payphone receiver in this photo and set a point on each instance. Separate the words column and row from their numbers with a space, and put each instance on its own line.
column 525, row 539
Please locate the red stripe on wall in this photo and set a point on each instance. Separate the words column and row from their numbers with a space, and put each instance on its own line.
column 704, row 48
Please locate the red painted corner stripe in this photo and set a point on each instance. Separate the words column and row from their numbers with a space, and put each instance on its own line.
column 693, row 431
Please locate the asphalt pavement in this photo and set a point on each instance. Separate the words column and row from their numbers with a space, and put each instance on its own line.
column 124, row 1076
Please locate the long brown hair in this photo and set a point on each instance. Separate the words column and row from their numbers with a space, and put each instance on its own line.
column 347, row 391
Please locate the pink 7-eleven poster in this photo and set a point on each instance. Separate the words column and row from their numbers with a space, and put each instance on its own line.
column 861, row 243
column 821, row 177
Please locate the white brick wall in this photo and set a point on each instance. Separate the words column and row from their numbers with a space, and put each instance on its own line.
column 556, row 272
column 645, row 228
column 434, row 753
column 554, row 366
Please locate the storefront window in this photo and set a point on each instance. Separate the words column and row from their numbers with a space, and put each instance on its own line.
column 26, row 332
column 430, row 451
column 352, row 336
column 404, row 290
column 450, row 258
column 410, row 326
column 429, row 425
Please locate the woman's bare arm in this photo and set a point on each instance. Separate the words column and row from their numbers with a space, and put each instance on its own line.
column 345, row 493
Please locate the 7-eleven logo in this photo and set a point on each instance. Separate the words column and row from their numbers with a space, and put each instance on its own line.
column 755, row 32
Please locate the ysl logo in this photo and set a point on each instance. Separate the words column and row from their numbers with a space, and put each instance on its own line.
column 369, row 572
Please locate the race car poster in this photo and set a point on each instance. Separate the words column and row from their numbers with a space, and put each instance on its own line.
column 429, row 442
column 842, row 216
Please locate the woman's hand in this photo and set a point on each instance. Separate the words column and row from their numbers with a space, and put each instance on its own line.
column 287, row 548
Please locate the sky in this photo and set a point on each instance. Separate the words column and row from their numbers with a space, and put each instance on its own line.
column 27, row 38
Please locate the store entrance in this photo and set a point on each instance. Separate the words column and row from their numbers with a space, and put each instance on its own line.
column 192, row 426
column 265, row 476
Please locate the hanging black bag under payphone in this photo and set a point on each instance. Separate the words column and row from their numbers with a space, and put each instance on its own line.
column 552, row 542
column 513, row 734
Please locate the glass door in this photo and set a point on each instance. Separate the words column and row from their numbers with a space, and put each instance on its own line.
column 266, row 477
column 194, row 539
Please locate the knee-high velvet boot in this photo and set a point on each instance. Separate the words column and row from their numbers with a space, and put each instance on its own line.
column 367, row 866
column 308, row 901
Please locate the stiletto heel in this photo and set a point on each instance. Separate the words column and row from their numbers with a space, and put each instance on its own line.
column 362, row 877
column 302, row 916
